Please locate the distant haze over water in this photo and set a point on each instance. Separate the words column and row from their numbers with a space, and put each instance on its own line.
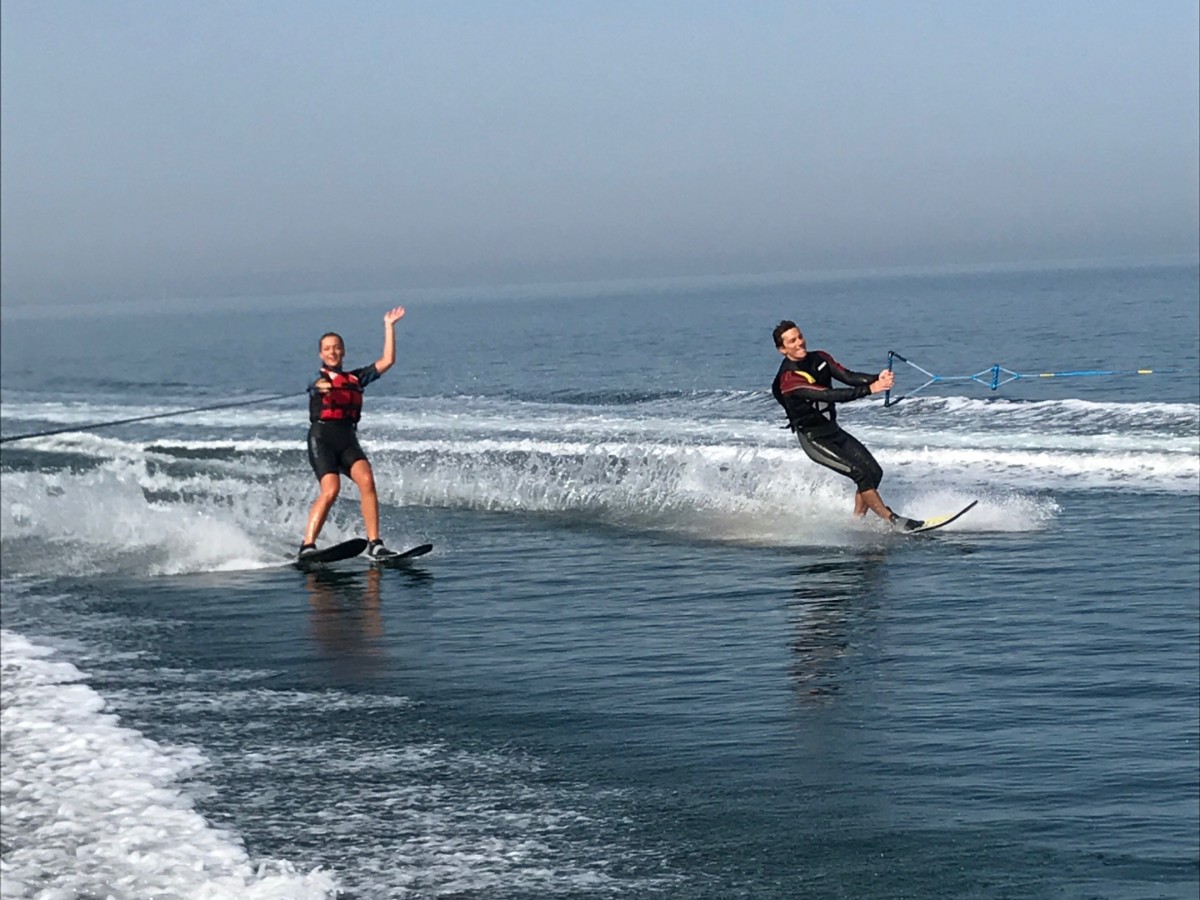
column 193, row 150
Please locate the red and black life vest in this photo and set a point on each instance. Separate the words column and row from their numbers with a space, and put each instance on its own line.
column 343, row 401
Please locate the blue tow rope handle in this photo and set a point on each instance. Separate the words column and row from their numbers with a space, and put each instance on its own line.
column 996, row 376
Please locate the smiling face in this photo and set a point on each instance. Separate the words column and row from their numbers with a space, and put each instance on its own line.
column 332, row 351
column 792, row 345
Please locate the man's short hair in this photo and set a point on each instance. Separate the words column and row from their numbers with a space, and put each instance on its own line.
column 784, row 326
column 331, row 334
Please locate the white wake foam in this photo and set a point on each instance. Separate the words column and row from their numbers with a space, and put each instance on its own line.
column 95, row 809
column 226, row 494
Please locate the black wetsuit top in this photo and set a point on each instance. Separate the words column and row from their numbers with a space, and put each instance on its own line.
column 804, row 391
column 803, row 388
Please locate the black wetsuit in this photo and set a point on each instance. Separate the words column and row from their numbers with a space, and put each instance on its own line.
column 804, row 390
column 333, row 444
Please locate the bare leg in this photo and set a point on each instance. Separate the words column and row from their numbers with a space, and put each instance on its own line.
column 364, row 477
column 331, row 484
column 871, row 500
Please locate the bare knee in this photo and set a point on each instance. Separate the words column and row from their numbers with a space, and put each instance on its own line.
column 364, row 477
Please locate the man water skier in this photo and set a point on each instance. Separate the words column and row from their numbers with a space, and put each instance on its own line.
column 334, row 407
column 803, row 387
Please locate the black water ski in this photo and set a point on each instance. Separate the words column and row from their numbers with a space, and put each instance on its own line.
column 940, row 521
column 344, row 550
column 401, row 558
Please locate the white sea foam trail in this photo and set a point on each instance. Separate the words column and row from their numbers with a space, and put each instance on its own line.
column 95, row 809
column 232, row 492
column 140, row 512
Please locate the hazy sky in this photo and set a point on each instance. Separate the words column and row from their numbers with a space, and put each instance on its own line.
column 172, row 147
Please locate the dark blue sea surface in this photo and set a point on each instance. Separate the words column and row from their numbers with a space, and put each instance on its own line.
column 652, row 654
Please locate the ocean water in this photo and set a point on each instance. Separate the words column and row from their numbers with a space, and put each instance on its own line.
column 652, row 653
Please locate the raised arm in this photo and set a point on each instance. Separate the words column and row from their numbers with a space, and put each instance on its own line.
column 388, row 359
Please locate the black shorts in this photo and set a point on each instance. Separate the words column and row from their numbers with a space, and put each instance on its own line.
column 333, row 448
column 845, row 454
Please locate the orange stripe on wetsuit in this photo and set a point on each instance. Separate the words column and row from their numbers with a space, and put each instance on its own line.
column 804, row 390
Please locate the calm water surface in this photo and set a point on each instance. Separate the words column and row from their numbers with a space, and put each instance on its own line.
column 652, row 655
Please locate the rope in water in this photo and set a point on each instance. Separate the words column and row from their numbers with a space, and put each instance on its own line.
column 997, row 375
column 180, row 412
column 993, row 377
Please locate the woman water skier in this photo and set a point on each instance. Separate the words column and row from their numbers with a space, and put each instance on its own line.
column 334, row 408
column 803, row 387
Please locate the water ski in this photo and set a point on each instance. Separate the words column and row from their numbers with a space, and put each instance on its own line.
column 401, row 557
column 344, row 550
column 940, row 521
